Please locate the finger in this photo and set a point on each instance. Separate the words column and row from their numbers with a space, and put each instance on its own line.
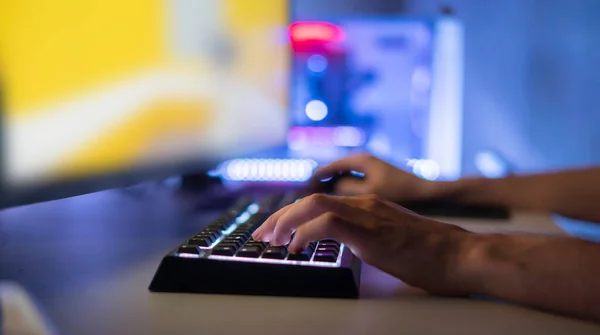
column 328, row 225
column 282, row 225
column 264, row 233
column 356, row 162
column 313, row 207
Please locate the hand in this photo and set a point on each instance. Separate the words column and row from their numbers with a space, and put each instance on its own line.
column 380, row 178
column 420, row 251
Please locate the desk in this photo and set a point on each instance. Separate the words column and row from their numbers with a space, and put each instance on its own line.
column 88, row 260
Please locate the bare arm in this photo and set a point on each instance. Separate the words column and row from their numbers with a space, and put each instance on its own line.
column 575, row 193
column 561, row 275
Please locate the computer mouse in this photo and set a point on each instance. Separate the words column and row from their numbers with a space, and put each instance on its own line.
column 328, row 185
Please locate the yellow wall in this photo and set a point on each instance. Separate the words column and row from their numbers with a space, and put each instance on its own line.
column 52, row 49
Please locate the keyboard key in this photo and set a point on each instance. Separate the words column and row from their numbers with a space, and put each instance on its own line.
column 242, row 229
column 224, row 250
column 229, row 244
column 256, row 244
column 304, row 255
column 199, row 242
column 253, row 252
column 220, row 226
column 216, row 233
column 328, row 240
column 329, row 245
column 237, row 239
column 236, row 242
column 275, row 253
column 188, row 249
column 206, row 236
column 327, row 249
column 326, row 256
column 240, row 233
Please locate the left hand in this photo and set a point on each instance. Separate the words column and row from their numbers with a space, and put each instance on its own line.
column 420, row 251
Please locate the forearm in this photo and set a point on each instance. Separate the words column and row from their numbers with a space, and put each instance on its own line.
column 555, row 274
column 574, row 194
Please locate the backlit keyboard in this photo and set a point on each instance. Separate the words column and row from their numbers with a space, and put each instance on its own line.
column 223, row 258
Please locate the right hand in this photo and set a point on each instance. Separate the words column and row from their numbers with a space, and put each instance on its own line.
column 420, row 251
column 380, row 178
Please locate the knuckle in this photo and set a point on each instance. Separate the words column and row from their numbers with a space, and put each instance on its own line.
column 374, row 201
column 316, row 200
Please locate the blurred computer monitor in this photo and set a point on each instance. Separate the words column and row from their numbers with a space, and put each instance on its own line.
column 389, row 85
column 101, row 93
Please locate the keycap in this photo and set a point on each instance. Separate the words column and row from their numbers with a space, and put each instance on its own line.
column 188, row 249
column 327, row 249
column 329, row 245
column 253, row 252
column 327, row 256
column 237, row 243
column 222, row 223
column 236, row 238
column 304, row 255
column 242, row 229
column 199, row 242
column 256, row 244
column 206, row 236
column 240, row 233
column 220, row 226
column 275, row 253
column 224, row 250
column 216, row 233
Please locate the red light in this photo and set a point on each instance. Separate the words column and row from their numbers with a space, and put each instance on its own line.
column 322, row 32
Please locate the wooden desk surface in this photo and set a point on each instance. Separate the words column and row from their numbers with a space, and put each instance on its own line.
column 88, row 260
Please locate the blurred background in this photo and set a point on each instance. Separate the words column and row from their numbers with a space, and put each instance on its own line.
column 531, row 84
column 442, row 88
column 530, row 81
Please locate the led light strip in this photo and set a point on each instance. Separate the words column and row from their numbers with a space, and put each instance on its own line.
column 288, row 170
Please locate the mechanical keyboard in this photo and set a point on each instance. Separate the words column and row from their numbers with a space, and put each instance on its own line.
column 223, row 258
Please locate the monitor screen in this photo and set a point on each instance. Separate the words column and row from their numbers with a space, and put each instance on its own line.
column 100, row 87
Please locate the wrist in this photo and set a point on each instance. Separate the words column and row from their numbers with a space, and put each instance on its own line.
column 480, row 261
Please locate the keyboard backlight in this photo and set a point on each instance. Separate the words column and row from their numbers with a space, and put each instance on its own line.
column 337, row 264
column 253, row 209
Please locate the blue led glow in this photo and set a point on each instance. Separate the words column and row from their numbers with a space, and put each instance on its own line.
column 253, row 209
column 317, row 63
column 242, row 218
